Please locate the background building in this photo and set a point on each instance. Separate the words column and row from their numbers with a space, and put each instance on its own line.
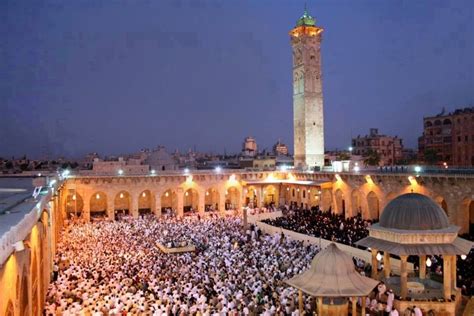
column 448, row 138
column 387, row 148
column 249, row 147
column 280, row 149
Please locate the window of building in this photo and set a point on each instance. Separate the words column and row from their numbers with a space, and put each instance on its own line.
column 304, row 194
column 293, row 192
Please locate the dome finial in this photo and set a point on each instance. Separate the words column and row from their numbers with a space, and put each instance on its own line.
column 306, row 19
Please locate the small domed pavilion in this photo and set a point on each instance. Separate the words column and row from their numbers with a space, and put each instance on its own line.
column 333, row 277
column 415, row 225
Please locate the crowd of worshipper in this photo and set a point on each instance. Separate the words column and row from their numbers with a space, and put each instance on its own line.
column 326, row 225
column 268, row 208
column 465, row 270
column 464, row 266
column 115, row 268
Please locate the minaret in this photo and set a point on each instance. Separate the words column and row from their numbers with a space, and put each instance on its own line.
column 308, row 116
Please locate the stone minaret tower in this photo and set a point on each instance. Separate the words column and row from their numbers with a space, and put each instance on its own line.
column 308, row 116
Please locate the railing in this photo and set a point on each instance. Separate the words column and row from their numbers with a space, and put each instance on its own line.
column 354, row 252
column 428, row 171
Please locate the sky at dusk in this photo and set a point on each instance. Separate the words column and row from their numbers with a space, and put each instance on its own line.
column 117, row 76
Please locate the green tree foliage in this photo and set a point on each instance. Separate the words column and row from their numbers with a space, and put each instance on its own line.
column 431, row 156
column 371, row 158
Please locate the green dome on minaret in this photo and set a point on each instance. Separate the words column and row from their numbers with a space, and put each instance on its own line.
column 306, row 19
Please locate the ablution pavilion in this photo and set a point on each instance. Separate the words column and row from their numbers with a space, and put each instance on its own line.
column 332, row 279
column 415, row 225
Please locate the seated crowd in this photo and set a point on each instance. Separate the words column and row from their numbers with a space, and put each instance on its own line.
column 115, row 268
column 326, row 225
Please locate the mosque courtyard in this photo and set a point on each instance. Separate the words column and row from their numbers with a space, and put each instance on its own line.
column 111, row 268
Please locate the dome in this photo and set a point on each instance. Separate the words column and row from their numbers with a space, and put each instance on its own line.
column 413, row 211
column 333, row 261
column 332, row 274
column 306, row 20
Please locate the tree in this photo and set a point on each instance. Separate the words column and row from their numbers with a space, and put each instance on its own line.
column 431, row 156
column 371, row 158
column 343, row 156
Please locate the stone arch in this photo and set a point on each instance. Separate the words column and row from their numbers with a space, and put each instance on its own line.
column 24, row 299
column 340, row 202
column 74, row 204
column 442, row 203
column 122, row 203
column 146, row 202
column 232, row 198
column 191, row 200
column 467, row 215
column 10, row 311
column 251, row 198
column 45, row 259
column 211, row 199
column 270, row 195
column 35, row 284
column 287, row 194
column 326, row 200
column 169, row 200
column 98, row 204
column 373, row 203
column 313, row 196
column 356, row 199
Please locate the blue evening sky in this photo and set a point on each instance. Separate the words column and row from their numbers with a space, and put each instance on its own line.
column 116, row 76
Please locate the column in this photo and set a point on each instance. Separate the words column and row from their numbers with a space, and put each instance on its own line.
column 300, row 302
column 241, row 199
column 454, row 272
column 403, row 276
column 180, row 207
column 387, row 268
column 447, row 263
column 245, row 220
column 259, row 194
column 320, row 306
column 363, row 301
column 354, row 306
column 134, row 204
column 201, row 201
column 422, row 266
column 158, row 205
column 222, row 198
column 374, row 264
column 87, row 210
column 281, row 195
column 110, row 206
